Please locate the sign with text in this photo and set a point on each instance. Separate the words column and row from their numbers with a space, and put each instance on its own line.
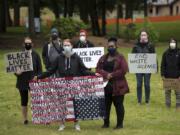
column 142, row 63
column 18, row 61
column 171, row 84
column 53, row 99
column 90, row 56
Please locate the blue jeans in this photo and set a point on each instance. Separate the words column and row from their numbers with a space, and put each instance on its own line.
column 139, row 78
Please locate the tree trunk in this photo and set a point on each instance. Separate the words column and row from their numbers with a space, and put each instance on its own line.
column 16, row 13
column 37, row 8
column 55, row 9
column 129, row 9
column 71, row 8
column 31, row 18
column 65, row 8
column 119, row 15
column 94, row 18
column 2, row 16
column 145, row 8
column 8, row 17
column 83, row 9
column 103, row 17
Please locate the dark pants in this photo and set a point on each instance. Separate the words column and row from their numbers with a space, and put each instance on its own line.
column 24, row 97
column 118, row 103
column 139, row 78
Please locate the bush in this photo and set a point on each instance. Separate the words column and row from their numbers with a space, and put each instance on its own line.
column 68, row 27
column 153, row 34
column 129, row 32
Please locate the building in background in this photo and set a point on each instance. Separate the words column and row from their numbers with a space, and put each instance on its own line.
column 163, row 7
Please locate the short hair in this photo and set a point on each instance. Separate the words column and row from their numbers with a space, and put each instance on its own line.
column 68, row 40
column 112, row 39
column 27, row 38
column 83, row 30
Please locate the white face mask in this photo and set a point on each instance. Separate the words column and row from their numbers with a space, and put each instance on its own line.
column 67, row 50
column 82, row 38
column 172, row 45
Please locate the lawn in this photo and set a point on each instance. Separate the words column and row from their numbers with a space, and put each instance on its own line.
column 154, row 119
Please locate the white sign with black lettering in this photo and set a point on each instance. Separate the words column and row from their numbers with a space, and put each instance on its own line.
column 142, row 63
column 90, row 56
column 18, row 61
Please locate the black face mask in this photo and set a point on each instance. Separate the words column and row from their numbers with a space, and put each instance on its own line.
column 28, row 46
column 112, row 51
column 54, row 36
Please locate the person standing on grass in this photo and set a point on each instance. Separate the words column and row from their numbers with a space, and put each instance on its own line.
column 113, row 67
column 143, row 46
column 23, row 78
column 68, row 64
column 52, row 49
column 170, row 68
column 83, row 42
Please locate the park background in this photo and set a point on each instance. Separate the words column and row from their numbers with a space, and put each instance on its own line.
column 120, row 18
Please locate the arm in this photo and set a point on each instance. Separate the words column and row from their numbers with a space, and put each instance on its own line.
column 134, row 50
column 39, row 65
column 50, row 70
column 163, row 65
column 121, row 70
column 83, row 69
column 99, row 68
column 45, row 55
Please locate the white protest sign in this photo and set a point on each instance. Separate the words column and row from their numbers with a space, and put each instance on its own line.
column 18, row 61
column 90, row 56
column 142, row 63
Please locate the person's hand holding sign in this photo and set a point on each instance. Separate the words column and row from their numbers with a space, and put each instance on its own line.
column 35, row 78
column 18, row 72
column 109, row 76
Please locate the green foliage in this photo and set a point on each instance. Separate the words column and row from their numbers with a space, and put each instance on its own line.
column 152, row 32
column 68, row 27
column 129, row 32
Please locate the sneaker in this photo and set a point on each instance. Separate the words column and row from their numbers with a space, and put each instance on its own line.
column 61, row 127
column 118, row 127
column 77, row 127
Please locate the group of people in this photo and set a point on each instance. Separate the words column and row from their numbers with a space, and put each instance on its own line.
column 60, row 61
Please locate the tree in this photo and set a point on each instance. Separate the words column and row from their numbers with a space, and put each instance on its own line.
column 31, row 18
column 103, row 17
column 3, row 16
column 145, row 8
column 16, row 6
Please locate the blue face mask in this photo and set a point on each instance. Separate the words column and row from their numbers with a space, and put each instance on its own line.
column 112, row 51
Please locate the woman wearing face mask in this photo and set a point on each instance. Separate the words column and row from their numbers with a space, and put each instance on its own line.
column 83, row 42
column 68, row 64
column 170, row 68
column 23, row 78
column 143, row 46
column 113, row 67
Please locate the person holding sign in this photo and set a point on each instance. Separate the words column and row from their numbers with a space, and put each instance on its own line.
column 23, row 78
column 113, row 67
column 52, row 49
column 143, row 46
column 170, row 68
column 83, row 42
column 68, row 64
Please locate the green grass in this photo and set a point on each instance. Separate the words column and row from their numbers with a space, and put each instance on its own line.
column 154, row 119
column 166, row 30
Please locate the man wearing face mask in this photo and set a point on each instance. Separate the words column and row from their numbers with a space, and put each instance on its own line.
column 23, row 78
column 83, row 42
column 52, row 49
column 67, row 64
column 143, row 46
column 113, row 67
column 170, row 68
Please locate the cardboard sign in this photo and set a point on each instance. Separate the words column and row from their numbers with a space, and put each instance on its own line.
column 18, row 61
column 142, row 63
column 90, row 56
column 53, row 99
column 171, row 84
